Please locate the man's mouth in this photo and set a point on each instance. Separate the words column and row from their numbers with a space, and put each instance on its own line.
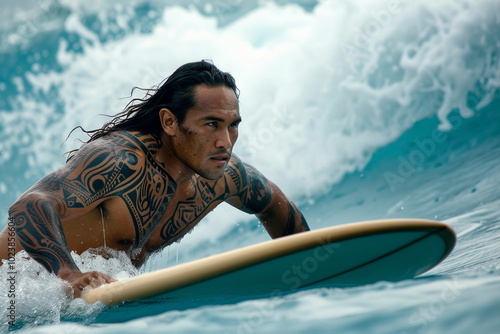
column 220, row 159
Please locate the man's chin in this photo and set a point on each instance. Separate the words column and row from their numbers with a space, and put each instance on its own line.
column 212, row 175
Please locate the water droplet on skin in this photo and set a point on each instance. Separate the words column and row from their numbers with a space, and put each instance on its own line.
column 177, row 255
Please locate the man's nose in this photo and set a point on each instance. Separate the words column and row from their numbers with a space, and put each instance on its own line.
column 223, row 140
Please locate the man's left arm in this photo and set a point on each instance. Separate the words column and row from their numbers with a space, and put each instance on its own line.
column 257, row 195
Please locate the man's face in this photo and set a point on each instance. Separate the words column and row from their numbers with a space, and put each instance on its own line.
column 205, row 140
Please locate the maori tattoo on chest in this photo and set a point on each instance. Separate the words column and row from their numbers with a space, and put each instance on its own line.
column 144, row 186
column 247, row 183
column 191, row 209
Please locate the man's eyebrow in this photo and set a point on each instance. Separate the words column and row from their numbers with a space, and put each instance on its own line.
column 218, row 119
column 213, row 118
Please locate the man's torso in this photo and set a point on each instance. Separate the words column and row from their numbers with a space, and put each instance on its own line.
column 147, row 211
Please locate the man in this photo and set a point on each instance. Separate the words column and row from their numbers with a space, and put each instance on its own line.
column 146, row 178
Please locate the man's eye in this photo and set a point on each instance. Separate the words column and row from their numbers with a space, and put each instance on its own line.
column 212, row 124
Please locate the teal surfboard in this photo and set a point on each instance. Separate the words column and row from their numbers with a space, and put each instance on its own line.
column 340, row 256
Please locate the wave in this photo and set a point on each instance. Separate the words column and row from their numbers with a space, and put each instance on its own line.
column 323, row 88
column 345, row 105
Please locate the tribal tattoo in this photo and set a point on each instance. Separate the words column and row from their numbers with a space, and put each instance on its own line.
column 251, row 187
column 124, row 166
column 193, row 208
column 255, row 195
column 293, row 216
column 40, row 235
column 145, row 187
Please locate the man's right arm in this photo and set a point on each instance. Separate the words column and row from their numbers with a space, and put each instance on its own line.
column 75, row 189
column 39, row 231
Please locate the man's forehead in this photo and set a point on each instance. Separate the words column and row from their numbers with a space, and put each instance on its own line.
column 215, row 99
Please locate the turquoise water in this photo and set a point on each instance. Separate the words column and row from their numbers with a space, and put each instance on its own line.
column 357, row 111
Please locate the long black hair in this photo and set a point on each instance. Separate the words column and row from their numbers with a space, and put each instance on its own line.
column 175, row 93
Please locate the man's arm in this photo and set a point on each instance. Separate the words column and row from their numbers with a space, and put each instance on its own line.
column 39, row 231
column 72, row 191
column 257, row 195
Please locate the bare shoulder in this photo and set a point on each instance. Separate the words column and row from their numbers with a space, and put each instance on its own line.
column 119, row 143
column 108, row 166
column 250, row 190
column 242, row 174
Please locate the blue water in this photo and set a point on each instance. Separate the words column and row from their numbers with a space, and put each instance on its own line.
column 357, row 111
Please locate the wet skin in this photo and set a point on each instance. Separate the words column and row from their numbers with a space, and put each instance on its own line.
column 146, row 194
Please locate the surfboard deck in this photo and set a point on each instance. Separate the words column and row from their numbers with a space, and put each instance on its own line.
column 340, row 256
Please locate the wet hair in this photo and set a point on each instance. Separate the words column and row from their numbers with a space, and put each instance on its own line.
column 176, row 93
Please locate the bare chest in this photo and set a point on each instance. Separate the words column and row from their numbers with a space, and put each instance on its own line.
column 189, row 205
column 146, row 201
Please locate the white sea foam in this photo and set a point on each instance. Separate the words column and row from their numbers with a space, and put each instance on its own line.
column 321, row 91
column 29, row 281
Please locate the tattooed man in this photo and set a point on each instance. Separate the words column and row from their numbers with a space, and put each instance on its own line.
column 146, row 178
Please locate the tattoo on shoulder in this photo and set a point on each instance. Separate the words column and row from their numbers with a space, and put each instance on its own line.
column 117, row 168
column 148, row 189
column 252, row 187
column 119, row 165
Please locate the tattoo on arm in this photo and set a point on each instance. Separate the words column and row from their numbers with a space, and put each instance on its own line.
column 40, row 233
column 255, row 194
column 295, row 218
column 251, row 186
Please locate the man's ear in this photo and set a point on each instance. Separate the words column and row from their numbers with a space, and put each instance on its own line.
column 168, row 121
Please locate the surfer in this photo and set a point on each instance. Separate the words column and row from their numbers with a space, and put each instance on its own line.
column 145, row 179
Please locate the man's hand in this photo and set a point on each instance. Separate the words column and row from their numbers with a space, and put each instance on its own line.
column 78, row 280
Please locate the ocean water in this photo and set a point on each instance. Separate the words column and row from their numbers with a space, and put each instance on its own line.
column 358, row 110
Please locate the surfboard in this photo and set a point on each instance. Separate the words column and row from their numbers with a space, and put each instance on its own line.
column 339, row 256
